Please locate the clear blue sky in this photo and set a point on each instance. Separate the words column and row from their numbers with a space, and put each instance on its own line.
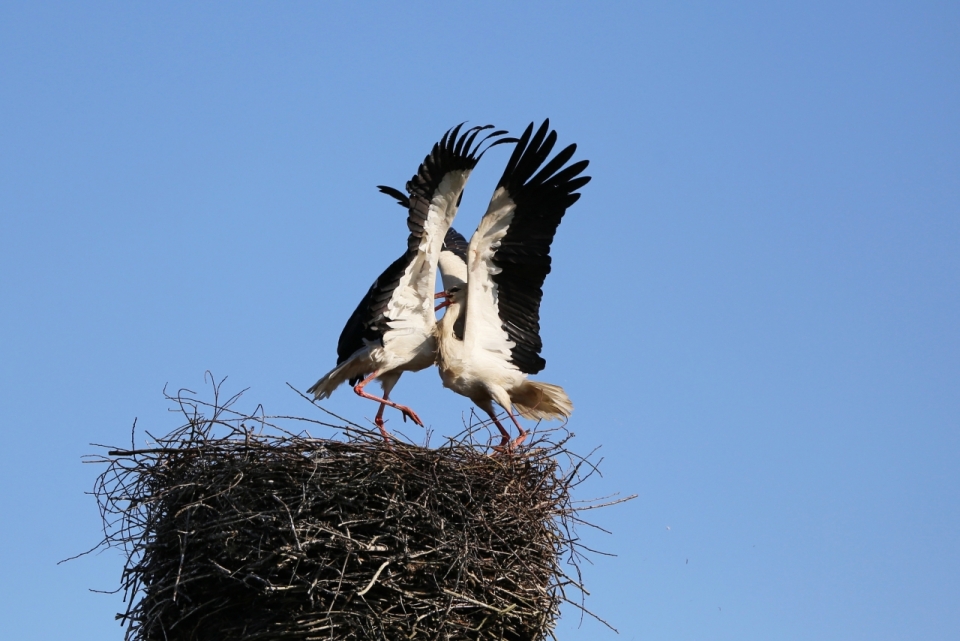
column 754, row 306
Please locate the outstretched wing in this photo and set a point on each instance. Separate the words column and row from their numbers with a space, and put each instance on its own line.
column 402, row 296
column 509, row 255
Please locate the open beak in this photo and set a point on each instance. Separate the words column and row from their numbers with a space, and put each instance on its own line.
column 447, row 300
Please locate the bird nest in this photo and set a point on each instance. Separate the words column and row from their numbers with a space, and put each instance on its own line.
column 235, row 527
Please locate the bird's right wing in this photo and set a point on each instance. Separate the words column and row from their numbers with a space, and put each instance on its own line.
column 509, row 255
column 402, row 296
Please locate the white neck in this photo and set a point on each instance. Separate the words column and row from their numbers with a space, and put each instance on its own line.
column 450, row 347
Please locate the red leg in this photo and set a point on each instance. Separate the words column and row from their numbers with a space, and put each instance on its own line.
column 523, row 433
column 504, row 434
column 358, row 388
column 379, row 421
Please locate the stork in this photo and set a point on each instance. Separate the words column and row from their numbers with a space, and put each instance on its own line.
column 392, row 330
column 489, row 337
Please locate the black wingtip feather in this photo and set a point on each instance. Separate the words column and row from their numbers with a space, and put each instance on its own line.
column 518, row 151
column 402, row 199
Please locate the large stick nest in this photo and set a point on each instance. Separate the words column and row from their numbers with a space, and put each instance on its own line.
column 234, row 531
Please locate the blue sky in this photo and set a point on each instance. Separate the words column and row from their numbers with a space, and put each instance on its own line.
column 754, row 306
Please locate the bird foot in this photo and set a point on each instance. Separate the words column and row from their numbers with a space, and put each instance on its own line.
column 505, row 447
column 509, row 447
column 413, row 415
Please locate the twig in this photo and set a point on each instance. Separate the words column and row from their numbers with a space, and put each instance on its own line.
column 375, row 577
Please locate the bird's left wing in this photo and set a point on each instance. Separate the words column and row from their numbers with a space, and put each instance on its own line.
column 402, row 296
column 509, row 255
column 433, row 195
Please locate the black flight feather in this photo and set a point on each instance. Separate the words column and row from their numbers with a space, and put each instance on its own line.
column 455, row 243
column 402, row 199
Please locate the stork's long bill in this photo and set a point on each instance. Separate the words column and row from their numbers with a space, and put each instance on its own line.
column 488, row 339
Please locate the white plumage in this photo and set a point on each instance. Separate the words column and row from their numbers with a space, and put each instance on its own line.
column 489, row 336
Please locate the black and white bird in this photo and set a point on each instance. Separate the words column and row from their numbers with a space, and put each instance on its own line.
column 393, row 328
column 489, row 337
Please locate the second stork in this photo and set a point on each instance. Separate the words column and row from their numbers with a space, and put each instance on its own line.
column 489, row 337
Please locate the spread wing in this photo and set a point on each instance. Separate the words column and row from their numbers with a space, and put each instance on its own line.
column 509, row 255
column 401, row 298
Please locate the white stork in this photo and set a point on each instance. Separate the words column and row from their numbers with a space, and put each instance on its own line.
column 392, row 330
column 489, row 337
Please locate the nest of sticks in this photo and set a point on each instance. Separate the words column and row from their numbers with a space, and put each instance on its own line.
column 235, row 527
